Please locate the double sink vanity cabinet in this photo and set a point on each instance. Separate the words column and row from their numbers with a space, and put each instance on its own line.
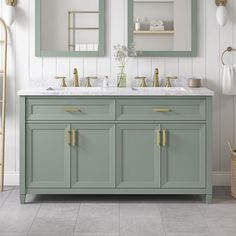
column 108, row 143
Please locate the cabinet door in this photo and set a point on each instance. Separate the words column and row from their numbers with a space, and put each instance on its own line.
column 93, row 156
column 47, row 156
column 138, row 156
column 183, row 157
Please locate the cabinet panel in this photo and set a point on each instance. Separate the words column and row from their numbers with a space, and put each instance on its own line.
column 47, row 156
column 161, row 109
column 183, row 158
column 138, row 156
column 93, row 156
column 69, row 109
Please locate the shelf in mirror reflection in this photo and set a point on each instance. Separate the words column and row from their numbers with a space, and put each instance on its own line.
column 155, row 32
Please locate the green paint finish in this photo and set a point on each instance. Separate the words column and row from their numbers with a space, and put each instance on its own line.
column 183, row 160
column 140, row 109
column 138, row 156
column 22, row 146
column 192, row 53
column 93, row 156
column 54, row 109
column 47, row 156
column 102, row 41
column 115, row 149
column 115, row 191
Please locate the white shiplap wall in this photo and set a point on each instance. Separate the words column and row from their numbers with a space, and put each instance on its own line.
column 25, row 69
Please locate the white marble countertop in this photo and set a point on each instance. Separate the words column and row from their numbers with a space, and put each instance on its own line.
column 112, row 91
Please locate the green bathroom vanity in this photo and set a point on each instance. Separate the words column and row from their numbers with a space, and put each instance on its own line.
column 116, row 141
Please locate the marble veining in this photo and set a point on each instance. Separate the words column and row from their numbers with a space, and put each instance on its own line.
column 113, row 91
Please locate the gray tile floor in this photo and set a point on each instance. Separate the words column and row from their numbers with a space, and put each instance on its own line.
column 117, row 215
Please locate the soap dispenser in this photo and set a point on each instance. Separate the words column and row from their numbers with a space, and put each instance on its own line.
column 105, row 82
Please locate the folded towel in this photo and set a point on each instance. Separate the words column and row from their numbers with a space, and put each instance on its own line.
column 229, row 80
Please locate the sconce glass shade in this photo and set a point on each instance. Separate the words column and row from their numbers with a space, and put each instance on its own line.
column 222, row 15
column 9, row 15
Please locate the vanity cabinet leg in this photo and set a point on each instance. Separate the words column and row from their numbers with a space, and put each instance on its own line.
column 22, row 198
column 208, row 198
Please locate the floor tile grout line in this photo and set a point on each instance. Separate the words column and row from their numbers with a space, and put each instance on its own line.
column 34, row 220
column 77, row 218
column 4, row 201
column 203, row 217
column 119, row 217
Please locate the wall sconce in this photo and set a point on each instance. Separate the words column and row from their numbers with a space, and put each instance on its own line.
column 221, row 12
column 10, row 12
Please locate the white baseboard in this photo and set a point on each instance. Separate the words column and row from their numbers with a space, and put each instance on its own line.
column 222, row 178
column 11, row 178
column 219, row 178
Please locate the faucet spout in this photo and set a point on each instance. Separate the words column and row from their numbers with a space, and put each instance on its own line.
column 156, row 81
column 75, row 78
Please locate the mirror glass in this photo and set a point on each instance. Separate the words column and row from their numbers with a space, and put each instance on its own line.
column 70, row 27
column 163, row 27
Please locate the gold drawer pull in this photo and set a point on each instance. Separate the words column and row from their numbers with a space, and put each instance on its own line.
column 165, row 137
column 162, row 110
column 73, row 137
column 67, row 137
column 158, row 138
column 72, row 110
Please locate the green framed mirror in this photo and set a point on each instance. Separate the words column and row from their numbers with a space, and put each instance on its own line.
column 69, row 28
column 163, row 28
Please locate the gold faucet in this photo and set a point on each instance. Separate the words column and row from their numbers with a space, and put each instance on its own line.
column 143, row 81
column 88, row 82
column 168, row 81
column 63, row 82
column 156, row 82
column 75, row 78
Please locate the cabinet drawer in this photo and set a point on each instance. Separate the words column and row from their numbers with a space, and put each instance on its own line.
column 70, row 109
column 161, row 109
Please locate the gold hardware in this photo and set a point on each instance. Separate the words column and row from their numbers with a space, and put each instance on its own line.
column 75, row 78
column 168, row 81
column 63, row 82
column 88, row 82
column 11, row 2
column 165, row 137
column 156, row 82
column 220, row 2
column 162, row 110
column 72, row 110
column 158, row 138
column 67, row 137
column 143, row 81
column 73, row 137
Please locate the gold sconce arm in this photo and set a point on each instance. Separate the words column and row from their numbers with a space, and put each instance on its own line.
column 11, row 2
column 220, row 2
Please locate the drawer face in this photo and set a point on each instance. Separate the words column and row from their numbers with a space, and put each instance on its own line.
column 69, row 109
column 161, row 109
